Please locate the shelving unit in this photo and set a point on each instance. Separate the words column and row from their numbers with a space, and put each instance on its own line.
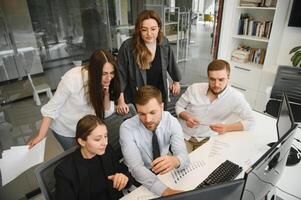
column 171, row 23
column 250, row 78
column 253, row 38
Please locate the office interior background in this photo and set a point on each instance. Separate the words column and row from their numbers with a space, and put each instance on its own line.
column 42, row 39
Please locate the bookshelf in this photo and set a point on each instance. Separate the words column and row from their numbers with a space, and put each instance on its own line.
column 252, row 76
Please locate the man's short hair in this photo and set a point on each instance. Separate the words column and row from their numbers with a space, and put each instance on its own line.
column 146, row 93
column 217, row 65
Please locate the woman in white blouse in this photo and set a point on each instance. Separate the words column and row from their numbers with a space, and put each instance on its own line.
column 90, row 89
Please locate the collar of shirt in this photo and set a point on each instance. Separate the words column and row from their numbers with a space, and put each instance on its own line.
column 219, row 96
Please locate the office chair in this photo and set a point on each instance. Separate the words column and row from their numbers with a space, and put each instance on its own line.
column 170, row 107
column 113, row 123
column 288, row 79
column 45, row 176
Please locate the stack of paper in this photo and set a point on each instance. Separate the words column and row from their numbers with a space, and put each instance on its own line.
column 18, row 159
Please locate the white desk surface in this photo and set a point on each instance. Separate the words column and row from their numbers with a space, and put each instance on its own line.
column 241, row 147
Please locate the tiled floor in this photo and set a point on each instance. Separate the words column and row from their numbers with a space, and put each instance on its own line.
column 24, row 116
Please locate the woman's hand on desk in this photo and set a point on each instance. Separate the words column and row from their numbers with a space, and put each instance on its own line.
column 119, row 180
column 169, row 191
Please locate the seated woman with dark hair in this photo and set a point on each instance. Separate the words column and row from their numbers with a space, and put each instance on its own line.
column 90, row 172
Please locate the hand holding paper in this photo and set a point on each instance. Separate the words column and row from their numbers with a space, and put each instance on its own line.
column 18, row 159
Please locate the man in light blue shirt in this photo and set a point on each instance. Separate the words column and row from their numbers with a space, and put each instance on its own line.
column 137, row 141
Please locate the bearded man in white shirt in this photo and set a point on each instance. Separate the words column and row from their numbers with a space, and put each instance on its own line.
column 207, row 109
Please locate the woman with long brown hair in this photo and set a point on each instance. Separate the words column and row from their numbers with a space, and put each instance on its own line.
column 145, row 59
column 90, row 89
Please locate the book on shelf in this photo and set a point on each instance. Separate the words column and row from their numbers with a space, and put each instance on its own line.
column 250, row 3
column 240, row 56
column 258, row 3
column 248, row 26
column 245, row 54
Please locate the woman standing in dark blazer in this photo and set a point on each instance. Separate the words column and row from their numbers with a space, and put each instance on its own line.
column 145, row 59
column 91, row 172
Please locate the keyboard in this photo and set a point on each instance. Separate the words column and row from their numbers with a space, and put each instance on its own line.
column 225, row 172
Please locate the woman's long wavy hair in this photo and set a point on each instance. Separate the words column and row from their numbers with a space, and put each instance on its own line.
column 143, row 55
column 93, row 87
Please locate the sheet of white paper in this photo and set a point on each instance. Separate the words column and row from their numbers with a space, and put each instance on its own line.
column 204, row 131
column 187, row 179
column 141, row 193
column 18, row 159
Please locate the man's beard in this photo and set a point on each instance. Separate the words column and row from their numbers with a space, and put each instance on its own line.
column 217, row 93
column 154, row 126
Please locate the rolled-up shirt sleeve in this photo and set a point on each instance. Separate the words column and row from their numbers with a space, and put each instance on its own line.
column 135, row 163
column 53, row 107
column 245, row 113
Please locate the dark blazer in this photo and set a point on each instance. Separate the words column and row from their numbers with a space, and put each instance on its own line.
column 132, row 77
column 72, row 178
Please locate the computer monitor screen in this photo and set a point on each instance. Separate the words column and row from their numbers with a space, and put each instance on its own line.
column 231, row 190
column 285, row 120
column 265, row 173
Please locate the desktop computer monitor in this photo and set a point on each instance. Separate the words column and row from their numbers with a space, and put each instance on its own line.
column 265, row 173
column 285, row 120
column 231, row 190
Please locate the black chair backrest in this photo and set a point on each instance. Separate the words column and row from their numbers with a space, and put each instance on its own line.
column 113, row 123
column 45, row 174
column 288, row 79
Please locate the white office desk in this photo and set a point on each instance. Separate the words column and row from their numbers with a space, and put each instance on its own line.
column 241, row 147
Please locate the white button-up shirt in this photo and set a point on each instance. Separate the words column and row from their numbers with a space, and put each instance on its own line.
column 69, row 103
column 229, row 107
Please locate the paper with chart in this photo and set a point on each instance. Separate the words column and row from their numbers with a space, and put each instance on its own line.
column 18, row 159
column 185, row 179
column 226, row 145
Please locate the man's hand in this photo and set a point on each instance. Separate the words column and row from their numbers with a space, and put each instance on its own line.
column 192, row 122
column 220, row 128
column 119, row 180
column 169, row 191
column 165, row 164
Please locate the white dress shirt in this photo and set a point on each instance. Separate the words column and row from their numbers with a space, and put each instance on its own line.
column 136, row 145
column 69, row 103
column 229, row 107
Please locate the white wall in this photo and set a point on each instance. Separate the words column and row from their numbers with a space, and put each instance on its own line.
column 290, row 39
